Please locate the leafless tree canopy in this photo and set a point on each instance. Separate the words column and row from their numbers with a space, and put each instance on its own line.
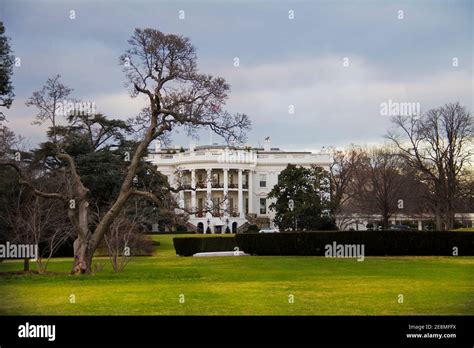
column 439, row 145
column 164, row 68
column 379, row 183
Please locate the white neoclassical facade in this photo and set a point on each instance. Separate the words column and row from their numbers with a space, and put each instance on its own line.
column 226, row 186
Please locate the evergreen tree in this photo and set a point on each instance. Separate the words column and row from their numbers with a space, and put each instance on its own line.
column 308, row 188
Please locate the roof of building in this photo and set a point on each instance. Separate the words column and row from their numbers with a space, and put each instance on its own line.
column 259, row 150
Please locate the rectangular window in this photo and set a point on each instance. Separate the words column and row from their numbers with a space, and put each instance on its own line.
column 263, row 206
column 263, row 180
column 246, row 205
column 215, row 178
column 201, row 181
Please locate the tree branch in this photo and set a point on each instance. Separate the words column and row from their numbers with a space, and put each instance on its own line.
column 23, row 181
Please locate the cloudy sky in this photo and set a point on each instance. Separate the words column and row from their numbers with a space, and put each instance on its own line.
column 401, row 51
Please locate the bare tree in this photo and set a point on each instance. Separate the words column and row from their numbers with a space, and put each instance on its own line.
column 379, row 183
column 118, row 241
column 342, row 172
column 439, row 145
column 26, row 218
column 42, row 222
column 126, row 237
column 47, row 100
column 163, row 68
column 12, row 218
column 37, row 221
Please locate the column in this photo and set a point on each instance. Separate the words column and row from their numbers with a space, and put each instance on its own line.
column 420, row 225
column 241, row 196
column 209, row 188
column 226, row 192
column 193, row 192
column 250, row 191
column 181, row 191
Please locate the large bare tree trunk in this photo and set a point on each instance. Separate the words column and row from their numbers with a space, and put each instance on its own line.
column 87, row 243
column 93, row 240
column 82, row 257
column 82, row 245
column 79, row 265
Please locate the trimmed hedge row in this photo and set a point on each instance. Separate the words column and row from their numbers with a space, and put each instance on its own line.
column 188, row 246
column 376, row 243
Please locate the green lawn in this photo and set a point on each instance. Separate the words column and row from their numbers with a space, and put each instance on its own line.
column 246, row 286
column 464, row 229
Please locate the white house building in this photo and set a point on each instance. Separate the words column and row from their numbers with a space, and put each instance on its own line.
column 226, row 186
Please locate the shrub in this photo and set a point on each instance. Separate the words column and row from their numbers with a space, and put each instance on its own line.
column 140, row 245
column 181, row 228
column 174, row 232
column 430, row 225
column 188, row 246
column 252, row 229
column 412, row 224
column 376, row 243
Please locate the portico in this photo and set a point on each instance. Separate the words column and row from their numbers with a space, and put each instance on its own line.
column 216, row 193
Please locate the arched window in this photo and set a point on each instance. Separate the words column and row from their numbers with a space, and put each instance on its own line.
column 200, row 227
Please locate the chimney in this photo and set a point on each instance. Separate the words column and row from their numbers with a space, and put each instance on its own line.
column 192, row 146
column 267, row 144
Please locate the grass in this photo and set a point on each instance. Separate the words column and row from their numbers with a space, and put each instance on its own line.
column 246, row 286
column 463, row 229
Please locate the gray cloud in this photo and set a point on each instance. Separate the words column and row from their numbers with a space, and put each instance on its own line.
column 283, row 61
